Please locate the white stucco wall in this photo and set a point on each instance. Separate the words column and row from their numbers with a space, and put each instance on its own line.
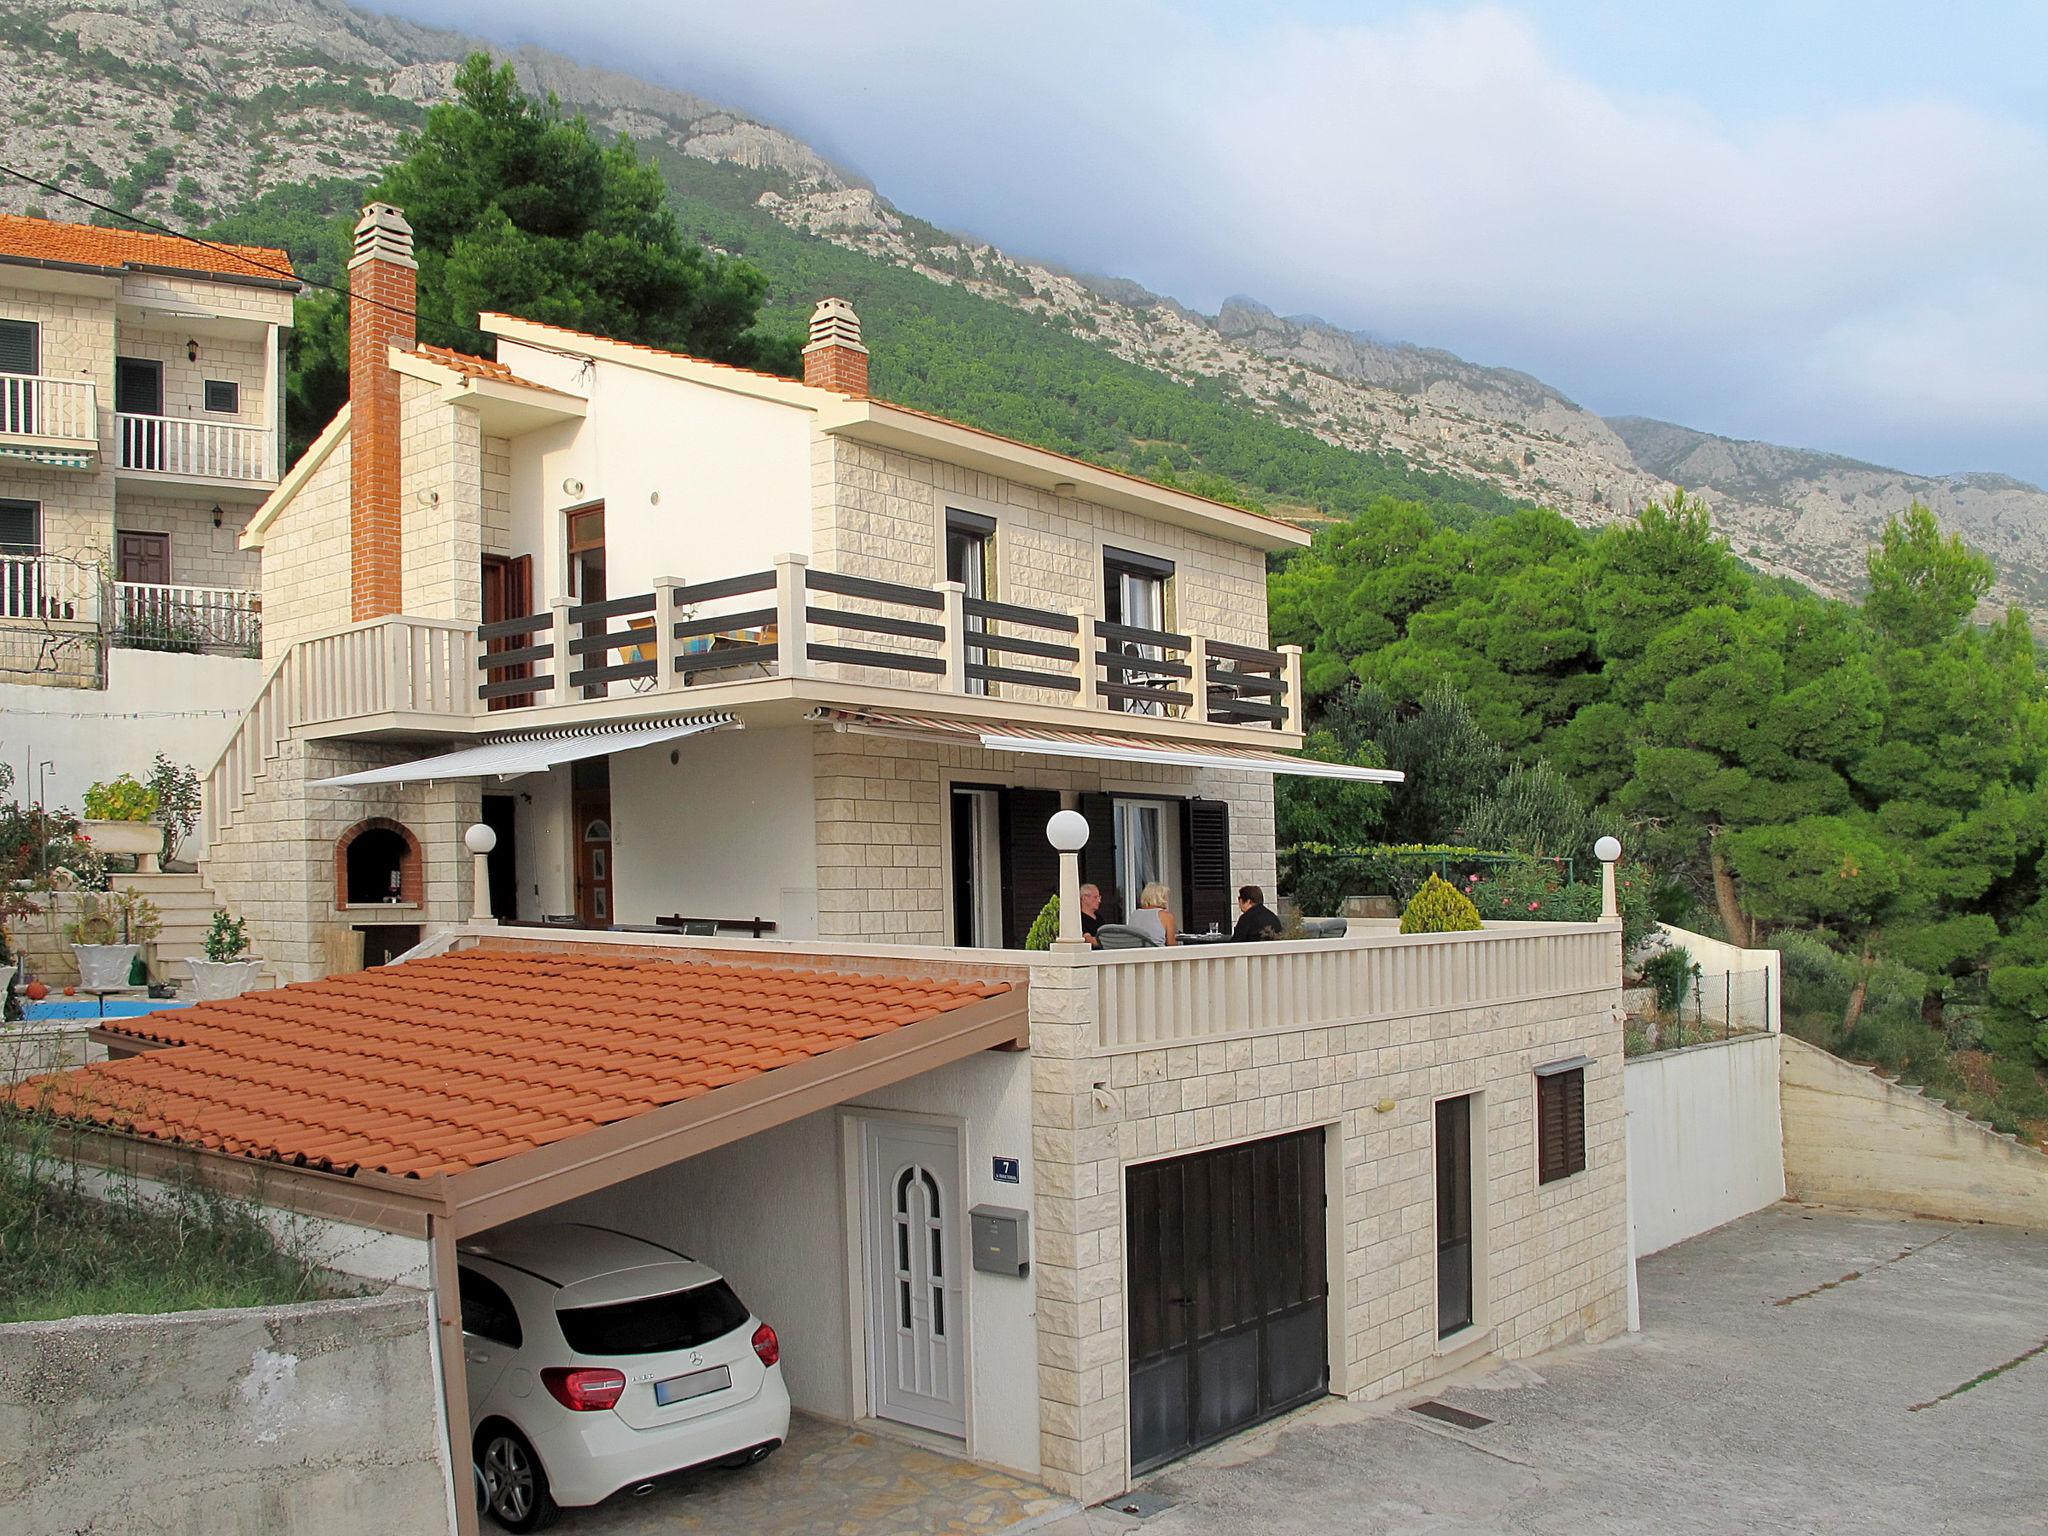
column 778, row 1214
column 183, row 706
column 1756, row 999
column 697, row 482
column 1705, row 1143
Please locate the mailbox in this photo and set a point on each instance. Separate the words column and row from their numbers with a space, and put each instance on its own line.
column 1002, row 1239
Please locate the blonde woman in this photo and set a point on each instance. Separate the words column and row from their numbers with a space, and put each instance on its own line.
column 1152, row 917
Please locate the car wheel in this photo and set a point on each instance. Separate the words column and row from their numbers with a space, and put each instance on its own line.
column 515, row 1487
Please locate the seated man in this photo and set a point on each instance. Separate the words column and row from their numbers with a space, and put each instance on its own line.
column 1091, row 915
column 1256, row 921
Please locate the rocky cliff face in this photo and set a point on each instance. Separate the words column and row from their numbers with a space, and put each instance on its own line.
column 184, row 109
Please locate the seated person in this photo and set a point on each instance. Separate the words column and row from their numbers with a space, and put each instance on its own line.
column 1091, row 915
column 1256, row 921
column 1152, row 917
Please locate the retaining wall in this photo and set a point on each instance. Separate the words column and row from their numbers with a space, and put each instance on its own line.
column 1855, row 1139
column 1704, row 1143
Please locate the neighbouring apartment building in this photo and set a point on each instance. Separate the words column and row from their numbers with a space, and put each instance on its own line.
column 767, row 690
column 141, row 413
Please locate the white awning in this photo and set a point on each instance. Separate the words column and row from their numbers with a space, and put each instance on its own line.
column 510, row 756
column 1101, row 746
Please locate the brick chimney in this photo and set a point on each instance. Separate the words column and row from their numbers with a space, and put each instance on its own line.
column 383, row 282
column 835, row 358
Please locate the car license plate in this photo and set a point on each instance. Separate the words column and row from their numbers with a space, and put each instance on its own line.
column 680, row 1389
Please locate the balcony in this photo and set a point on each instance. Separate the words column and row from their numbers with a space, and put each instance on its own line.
column 183, row 448
column 824, row 631
column 49, row 589
column 214, row 621
column 58, row 415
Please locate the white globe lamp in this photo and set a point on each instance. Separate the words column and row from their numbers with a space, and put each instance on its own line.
column 1067, row 831
column 1608, row 852
column 480, row 840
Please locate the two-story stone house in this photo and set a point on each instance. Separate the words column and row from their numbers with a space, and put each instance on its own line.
column 769, row 689
column 140, row 425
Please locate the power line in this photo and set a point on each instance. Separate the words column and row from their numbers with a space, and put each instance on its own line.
column 240, row 255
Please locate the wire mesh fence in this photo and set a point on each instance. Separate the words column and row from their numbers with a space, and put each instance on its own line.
column 1713, row 1005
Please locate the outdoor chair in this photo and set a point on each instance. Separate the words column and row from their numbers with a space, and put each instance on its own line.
column 1324, row 927
column 1118, row 936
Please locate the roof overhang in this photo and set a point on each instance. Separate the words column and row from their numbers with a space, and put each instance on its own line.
column 504, row 407
column 508, row 757
column 1096, row 746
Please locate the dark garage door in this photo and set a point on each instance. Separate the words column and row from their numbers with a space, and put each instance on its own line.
column 1227, row 1292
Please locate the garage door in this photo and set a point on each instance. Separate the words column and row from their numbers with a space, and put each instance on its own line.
column 1228, row 1291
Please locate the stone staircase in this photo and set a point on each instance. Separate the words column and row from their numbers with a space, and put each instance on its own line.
column 187, row 903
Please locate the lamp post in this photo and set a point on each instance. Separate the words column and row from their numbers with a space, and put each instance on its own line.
column 480, row 840
column 1067, row 831
column 1608, row 852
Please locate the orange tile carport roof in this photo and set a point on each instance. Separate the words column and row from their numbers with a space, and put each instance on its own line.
column 444, row 1064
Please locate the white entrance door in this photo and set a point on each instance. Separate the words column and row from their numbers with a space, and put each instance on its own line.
column 917, row 1336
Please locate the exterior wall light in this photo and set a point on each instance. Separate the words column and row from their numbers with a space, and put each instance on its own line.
column 192, row 351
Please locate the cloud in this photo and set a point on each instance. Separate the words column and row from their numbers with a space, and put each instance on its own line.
column 1862, row 278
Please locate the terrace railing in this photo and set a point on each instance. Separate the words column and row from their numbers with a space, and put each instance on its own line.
column 32, row 405
column 212, row 450
column 794, row 621
column 159, row 616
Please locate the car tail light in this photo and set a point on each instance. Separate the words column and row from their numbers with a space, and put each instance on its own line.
column 584, row 1388
column 766, row 1345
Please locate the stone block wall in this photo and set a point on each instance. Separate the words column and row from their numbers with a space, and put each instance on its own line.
column 51, row 655
column 441, row 515
column 238, row 361
column 305, row 559
column 1551, row 1260
column 201, row 554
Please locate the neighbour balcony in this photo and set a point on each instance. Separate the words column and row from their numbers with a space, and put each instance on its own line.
column 216, row 621
column 195, row 450
column 49, row 589
column 54, row 412
column 794, row 623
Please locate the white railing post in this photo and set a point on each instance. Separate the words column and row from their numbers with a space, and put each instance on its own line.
column 564, row 662
column 792, row 647
column 1198, row 682
column 1084, row 641
column 955, row 595
column 665, row 676
column 1295, row 720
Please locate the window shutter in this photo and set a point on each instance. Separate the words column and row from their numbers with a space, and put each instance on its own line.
column 18, row 347
column 21, row 528
column 1208, row 864
column 1031, row 869
column 1560, row 1125
column 1549, row 1132
column 1098, row 859
column 1573, row 1092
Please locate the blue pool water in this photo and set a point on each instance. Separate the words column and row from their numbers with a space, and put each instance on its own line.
column 89, row 1008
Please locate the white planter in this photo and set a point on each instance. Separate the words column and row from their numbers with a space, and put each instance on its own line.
column 215, row 981
column 144, row 839
column 104, row 967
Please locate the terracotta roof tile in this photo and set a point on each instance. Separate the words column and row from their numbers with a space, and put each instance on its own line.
column 473, row 367
column 450, row 1062
column 89, row 245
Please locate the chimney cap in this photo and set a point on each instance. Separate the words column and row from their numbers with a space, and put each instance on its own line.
column 834, row 324
column 382, row 234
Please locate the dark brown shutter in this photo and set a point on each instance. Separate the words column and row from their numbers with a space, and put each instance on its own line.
column 1031, row 869
column 1560, row 1125
column 1098, row 859
column 1207, row 861
column 1573, row 1091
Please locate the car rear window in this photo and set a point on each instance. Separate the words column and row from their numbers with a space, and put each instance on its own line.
column 678, row 1320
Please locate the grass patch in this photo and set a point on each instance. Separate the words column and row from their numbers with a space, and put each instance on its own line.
column 66, row 1251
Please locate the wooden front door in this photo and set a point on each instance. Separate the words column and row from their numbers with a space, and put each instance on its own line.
column 145, row 557
column 593, row 809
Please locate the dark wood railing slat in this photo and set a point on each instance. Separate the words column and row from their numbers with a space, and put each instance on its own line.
column 623, row 672
column 720, row 623
column 1265, row 661
column 725, row 586
column 1144, row 695
column 1250, row 682
column 1011, row 613
column 732, row 656
column 873, row 591
column 611, row 608
column 497, row 661
column 877, row 623
column 1228, row 711
column 890, row 661
column 507, row 686
column 1024, row 678
column 524, row 624
column 1119, row 661
column 1014, row 645
column 1126, row 634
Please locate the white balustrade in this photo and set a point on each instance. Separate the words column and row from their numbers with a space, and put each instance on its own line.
column 383, row 666
column 174, row 616
column 180, row 445
column 49, row 587
column 32, row 405
column 1149, row 998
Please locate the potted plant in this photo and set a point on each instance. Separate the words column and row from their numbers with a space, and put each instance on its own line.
column 120, row 817
column 108, row 934
column 227, row 971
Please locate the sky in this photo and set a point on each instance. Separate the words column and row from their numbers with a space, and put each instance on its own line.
column 1815, row 223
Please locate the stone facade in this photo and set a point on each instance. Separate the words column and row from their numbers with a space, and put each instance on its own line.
column 305, row 558
column 201, row 555
column 441, row 505
column 1551, row 1260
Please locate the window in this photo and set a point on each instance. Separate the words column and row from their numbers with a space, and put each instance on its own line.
column 1560, row 1121
column 1148, row 852
column 653, row 1325
column 223, row 395
column 586, row 580
column 138, row 386
column 977, row 866
column 20, row 346
column 1134, row 590
column 487, row 1311
column 21, row 527
column 970, row 558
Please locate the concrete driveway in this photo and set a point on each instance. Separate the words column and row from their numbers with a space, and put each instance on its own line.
column 1800, row 1371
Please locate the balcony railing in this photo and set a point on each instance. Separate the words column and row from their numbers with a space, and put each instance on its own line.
column 49, row 587
column 221, row 621
column 1153, row 997
column 32, row 405
column 179, row 445
column 797, row 622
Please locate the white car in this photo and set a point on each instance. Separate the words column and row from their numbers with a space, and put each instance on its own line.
column 598, row 1361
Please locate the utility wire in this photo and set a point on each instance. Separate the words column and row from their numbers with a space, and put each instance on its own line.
column 239, row 254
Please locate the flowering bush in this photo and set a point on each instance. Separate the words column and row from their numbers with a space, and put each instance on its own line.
column 1538, row 892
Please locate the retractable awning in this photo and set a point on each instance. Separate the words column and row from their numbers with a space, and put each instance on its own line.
column 1101, row 746
column 509, row 756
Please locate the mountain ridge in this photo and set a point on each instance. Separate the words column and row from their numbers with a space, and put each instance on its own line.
column 238, row 96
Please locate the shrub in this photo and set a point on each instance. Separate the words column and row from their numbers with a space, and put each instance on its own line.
column 118, row 917
column 121, row 799
column 228, row 938
column 1669, row 973
column 1439, row 907
column 1045, row 927
column 177, row 800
